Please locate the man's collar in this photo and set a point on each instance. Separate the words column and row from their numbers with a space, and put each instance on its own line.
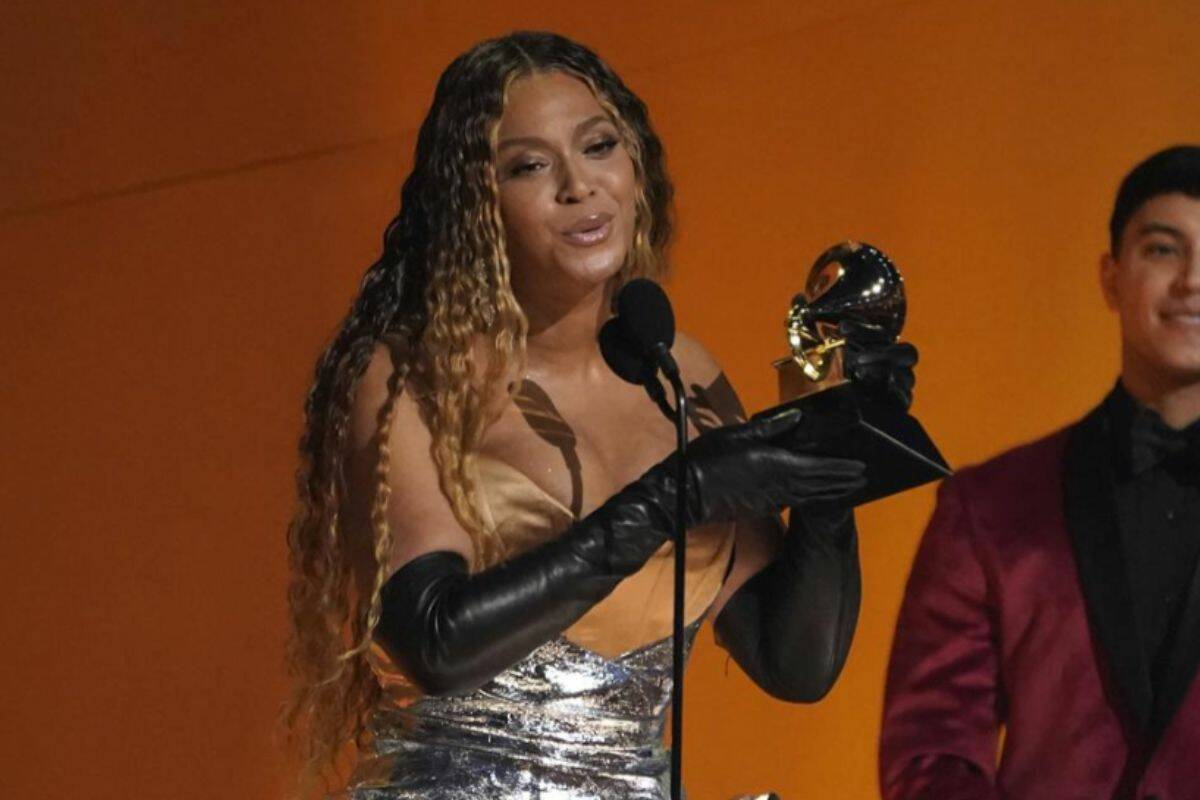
column 1141, row 439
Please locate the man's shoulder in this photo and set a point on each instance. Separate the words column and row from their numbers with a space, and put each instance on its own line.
column 1010, row 498
column 1022, row 473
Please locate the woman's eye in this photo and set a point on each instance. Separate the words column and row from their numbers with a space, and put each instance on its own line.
column 602, row 147
column 525, row 168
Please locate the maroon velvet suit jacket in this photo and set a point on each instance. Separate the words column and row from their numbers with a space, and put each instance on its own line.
column 1017, row 613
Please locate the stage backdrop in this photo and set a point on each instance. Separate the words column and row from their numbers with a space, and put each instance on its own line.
column 189, row 193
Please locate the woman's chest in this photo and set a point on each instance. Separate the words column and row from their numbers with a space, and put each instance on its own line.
column 579, row 448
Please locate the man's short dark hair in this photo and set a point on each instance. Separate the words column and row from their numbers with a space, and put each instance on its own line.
column 1176, row 169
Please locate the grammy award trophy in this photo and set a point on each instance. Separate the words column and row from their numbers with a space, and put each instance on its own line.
column 854, row 281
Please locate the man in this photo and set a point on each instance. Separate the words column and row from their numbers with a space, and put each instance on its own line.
column 1055, row 593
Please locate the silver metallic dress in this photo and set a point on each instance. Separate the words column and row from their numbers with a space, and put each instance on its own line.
column 564, row 723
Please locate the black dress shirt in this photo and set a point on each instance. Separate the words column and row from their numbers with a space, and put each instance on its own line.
column 1158, row 510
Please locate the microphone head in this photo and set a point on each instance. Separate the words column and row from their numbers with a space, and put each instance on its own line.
column 646, row 315
column 623, row 355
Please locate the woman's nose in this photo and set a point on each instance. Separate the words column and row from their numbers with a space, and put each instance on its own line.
column 573, row 185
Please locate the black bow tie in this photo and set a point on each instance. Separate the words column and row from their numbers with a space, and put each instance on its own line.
column 1152, row 442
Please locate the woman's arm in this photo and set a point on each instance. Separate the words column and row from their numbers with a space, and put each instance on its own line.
column 453, row 630
column 788, row 609
column 789, row 626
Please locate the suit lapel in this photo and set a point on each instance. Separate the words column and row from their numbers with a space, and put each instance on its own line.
column 1091, row 516
column 1184, row 658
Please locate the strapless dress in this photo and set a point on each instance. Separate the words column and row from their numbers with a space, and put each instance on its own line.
column 579, row 718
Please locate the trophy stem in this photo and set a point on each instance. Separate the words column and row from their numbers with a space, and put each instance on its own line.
column 814, row 362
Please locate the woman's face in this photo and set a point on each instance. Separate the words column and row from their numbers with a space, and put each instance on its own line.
column 567, row 186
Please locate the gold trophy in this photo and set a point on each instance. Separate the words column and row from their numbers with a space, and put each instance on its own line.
column 854, row 281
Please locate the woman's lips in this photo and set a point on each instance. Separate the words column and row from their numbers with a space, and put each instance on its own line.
column 590, row 230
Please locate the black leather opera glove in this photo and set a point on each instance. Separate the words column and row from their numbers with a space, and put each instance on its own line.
column 453, row 631
column 877, row 364
column 790, row 626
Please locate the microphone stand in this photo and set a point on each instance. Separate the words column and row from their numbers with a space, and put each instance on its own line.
column 671, row 371
column 636, row 344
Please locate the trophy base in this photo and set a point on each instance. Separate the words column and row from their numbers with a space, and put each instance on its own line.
column 895, row 447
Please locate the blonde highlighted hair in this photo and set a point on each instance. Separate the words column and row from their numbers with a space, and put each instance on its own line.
column 441, row 282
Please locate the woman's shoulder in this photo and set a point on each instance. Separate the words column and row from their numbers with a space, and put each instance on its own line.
column 714, row 400
column 387, row 376
column 694, row 359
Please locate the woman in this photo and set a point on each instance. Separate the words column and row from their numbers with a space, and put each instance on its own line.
column 481, row 580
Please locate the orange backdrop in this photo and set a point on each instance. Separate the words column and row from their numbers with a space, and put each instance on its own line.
column 189, row 192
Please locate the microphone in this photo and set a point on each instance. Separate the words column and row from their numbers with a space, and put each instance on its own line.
column 624, row 355
column 646, row 315
column 636, row 343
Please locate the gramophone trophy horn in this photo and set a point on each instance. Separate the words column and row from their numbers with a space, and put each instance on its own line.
column 854, row 281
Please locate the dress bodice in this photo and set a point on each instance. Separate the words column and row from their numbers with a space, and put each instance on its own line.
column 563, row 723
column 635, row 614
column 579, row 718
column 638, row 612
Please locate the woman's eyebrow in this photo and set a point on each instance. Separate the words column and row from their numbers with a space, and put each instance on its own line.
column 537, row 141
column 528, row 141
column 590, row 123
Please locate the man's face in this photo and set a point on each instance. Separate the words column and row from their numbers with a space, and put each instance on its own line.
column 1153, row 283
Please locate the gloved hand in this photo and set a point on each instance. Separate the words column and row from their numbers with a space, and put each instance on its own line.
column 454, row 631
column 880, row 366
column 756, row 468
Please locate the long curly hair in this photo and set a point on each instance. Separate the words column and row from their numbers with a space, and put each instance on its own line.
column 441, row 283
